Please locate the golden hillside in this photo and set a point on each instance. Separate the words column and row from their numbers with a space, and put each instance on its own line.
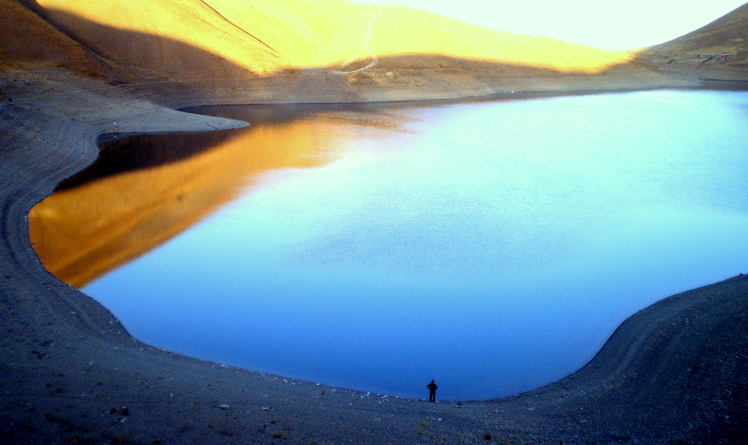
column 236, row 38
column 395, row 30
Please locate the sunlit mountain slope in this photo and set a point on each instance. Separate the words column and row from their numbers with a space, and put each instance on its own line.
column 173, row 37
column 229, row 38
column 395, row 30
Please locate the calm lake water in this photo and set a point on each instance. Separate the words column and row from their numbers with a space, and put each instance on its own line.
column 493, row 247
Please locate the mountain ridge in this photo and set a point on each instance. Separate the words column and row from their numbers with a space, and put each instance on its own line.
column 229, row 40
column 718, row 51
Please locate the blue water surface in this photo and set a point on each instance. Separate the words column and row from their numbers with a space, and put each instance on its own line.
column 493, row 246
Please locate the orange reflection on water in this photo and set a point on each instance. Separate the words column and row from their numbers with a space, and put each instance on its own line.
column 83, row 231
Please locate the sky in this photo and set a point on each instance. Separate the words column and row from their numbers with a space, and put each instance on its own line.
column 601, row 23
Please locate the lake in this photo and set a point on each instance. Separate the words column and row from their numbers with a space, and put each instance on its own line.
column 491, row 246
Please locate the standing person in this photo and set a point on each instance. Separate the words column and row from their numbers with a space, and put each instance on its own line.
column 432, row 391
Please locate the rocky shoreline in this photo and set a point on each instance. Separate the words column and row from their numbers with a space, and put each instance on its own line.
column 673, row 373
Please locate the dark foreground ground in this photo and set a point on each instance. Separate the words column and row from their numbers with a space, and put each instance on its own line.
column 675, row 373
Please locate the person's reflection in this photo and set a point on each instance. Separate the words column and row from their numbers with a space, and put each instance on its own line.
column 432, row 391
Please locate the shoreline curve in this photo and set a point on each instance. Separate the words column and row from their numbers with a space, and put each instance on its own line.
column 672, row 373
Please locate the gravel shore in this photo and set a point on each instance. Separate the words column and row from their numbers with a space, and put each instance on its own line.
column 674, row 373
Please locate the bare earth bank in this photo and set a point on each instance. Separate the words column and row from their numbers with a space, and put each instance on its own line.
column 673, row 373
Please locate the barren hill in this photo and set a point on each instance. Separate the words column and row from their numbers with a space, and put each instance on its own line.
column 728, row 34
column 264, row 36
column 716, row 51
column 318, row 50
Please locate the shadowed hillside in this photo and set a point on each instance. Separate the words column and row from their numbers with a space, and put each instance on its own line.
column 728, row 34
column 717, row 51
column 27, row 41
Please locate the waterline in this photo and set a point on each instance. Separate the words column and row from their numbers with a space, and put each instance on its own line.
column 493, row 247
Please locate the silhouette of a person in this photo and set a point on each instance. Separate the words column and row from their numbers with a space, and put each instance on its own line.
column 432, row 391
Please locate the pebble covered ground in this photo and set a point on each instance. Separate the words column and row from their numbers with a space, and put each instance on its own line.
column 671, row 374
